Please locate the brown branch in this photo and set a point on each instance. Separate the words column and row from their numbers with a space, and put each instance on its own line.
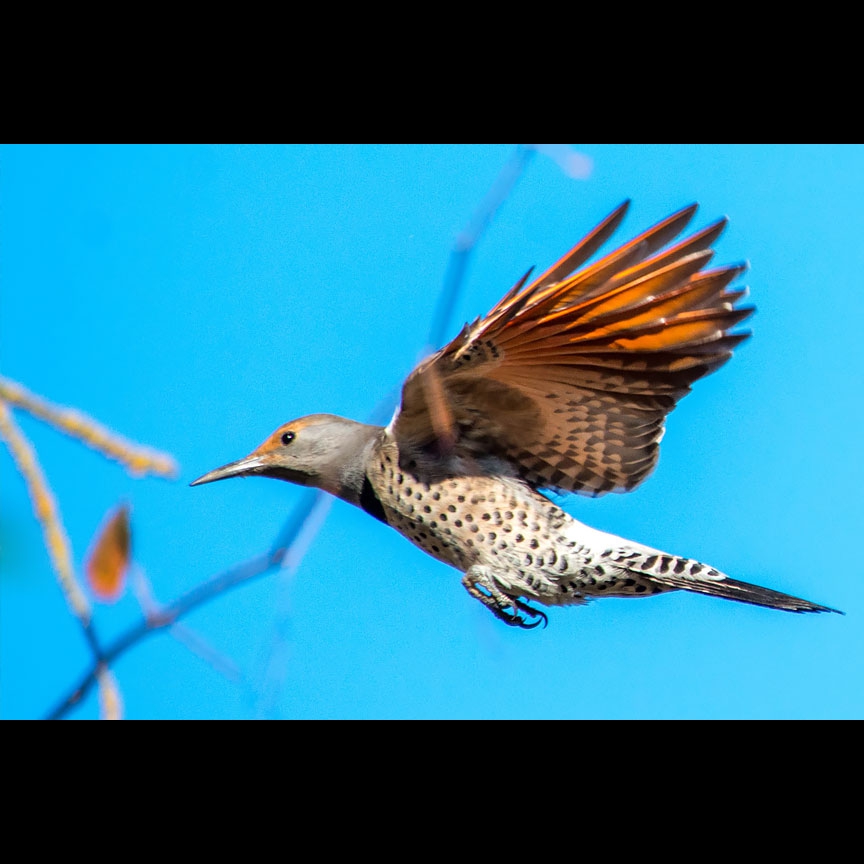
column 166, row 617
column 288, row 551
column 136, row 459
column 308, row 516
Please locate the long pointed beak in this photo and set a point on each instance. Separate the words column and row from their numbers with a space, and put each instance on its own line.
column 247, row 465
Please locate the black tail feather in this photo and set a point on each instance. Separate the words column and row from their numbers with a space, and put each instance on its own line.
column 744, row 592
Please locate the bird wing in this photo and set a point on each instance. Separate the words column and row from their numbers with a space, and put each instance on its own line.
column 570, row 377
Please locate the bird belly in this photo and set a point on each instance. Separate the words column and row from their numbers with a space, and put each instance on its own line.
column 531, row 547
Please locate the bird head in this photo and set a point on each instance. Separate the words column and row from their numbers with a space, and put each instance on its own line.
column 320, row 450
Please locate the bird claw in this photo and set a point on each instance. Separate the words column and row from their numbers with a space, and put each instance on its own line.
column 514, row 619
column 518, row 621
column 499, row 603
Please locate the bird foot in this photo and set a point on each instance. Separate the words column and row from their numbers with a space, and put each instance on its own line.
column 516, row 620
column 499, row 603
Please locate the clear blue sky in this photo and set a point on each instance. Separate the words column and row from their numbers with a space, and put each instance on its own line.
column 194, row 298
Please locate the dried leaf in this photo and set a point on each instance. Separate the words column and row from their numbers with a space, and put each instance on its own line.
column 109, row 557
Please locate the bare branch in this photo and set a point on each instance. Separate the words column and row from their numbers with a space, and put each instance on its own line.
column 136, row 459
column 310, row 514
column 467, row 240
column 110, row 702
column 45, row 508
column 168, row 616
column 302, row 527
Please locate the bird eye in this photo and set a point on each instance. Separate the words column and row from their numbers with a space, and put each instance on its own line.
column 288, row 437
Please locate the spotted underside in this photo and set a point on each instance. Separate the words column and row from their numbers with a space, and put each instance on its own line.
column 532, row 546
column 570, row 378
column 565, row 384
column 513, row 544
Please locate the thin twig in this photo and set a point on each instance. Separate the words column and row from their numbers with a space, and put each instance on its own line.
column 168, row 615
column 467, row 240
column 303, row 525
column 184, row 635
column 310, row 514
column 45, row 508
column 59, row 550
column 201, row 648
column 136, row 459
column 110, row 702
column 463, row 247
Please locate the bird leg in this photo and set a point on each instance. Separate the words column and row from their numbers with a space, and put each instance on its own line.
column 498, row 602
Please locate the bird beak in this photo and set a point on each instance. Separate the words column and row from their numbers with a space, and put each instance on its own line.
column 247, row 465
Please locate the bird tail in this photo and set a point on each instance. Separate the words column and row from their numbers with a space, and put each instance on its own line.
column 744, row 592
column 672, row 572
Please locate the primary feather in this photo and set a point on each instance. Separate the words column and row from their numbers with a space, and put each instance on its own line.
column 570, row 378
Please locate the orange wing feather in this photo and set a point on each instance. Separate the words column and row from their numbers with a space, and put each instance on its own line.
column 570, row 378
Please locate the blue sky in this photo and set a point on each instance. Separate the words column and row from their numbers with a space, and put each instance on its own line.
column 195, row 298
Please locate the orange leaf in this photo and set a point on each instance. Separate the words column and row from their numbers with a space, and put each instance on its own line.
column 109, row 556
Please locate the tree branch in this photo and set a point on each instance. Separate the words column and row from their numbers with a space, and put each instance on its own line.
column 301, row 528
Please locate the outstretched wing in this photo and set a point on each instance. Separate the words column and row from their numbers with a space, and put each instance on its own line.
column 570, row 377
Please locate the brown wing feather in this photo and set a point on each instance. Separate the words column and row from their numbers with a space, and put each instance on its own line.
column 571, row 377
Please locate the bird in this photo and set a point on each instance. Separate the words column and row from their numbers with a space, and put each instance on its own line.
column 564, row 386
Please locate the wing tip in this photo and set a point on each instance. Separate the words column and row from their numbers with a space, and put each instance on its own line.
column 616, row 217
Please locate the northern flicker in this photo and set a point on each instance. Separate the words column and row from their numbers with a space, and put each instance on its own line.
column 563, row 386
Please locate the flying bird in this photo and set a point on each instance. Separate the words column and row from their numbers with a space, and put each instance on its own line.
column 564, row 386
